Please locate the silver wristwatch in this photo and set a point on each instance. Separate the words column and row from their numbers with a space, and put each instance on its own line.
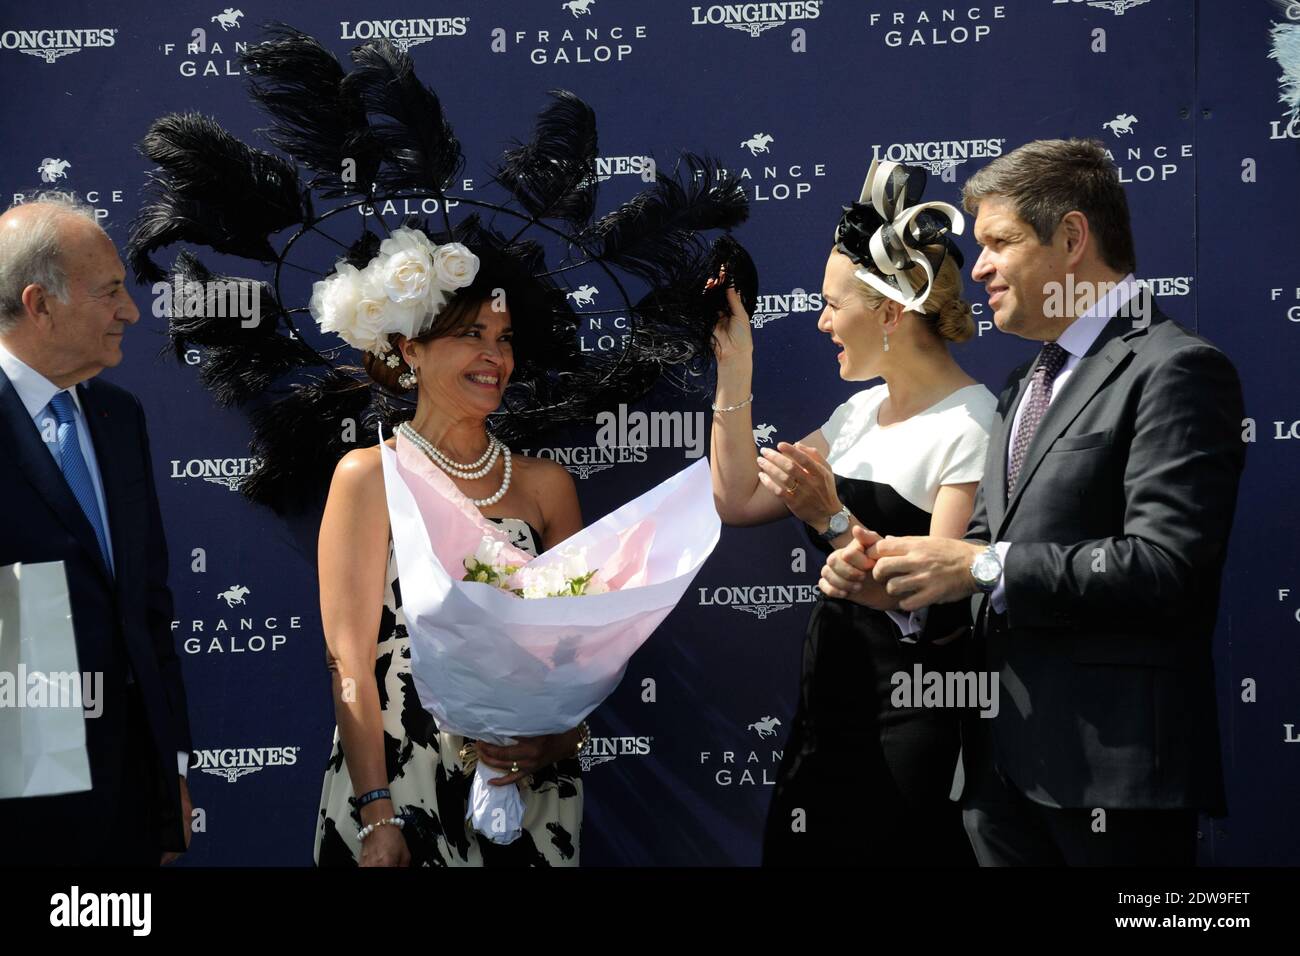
column 838, row 524
column 987, row 569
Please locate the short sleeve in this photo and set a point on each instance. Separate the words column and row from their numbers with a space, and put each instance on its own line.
column 965, row 459
column 835, row 424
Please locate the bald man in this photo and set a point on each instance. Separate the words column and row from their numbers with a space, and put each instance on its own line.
column 76, row 485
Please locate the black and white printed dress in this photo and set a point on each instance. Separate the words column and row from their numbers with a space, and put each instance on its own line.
column 862, row 782
column 430, row 786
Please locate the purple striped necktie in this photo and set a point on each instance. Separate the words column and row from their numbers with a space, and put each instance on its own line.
column 1051, row 360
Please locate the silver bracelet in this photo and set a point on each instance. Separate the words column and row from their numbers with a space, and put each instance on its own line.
column 372, row 827
column 732, row 408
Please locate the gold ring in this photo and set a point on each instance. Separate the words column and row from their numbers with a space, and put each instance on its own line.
column 794, row 486
column 514, row 766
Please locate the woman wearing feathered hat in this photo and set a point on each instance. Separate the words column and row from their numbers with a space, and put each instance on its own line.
column 466, row 324
column 863, row 781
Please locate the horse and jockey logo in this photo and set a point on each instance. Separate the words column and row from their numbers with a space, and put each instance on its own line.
column 579, row 8
column 583, row 295
column 1121, row 125
column 235, row 595
column 228, row 18
column 763, row 434
column 52, row 170
column 765, row 727
column 758, row 143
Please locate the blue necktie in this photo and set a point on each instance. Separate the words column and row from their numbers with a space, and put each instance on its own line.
column 75, row 471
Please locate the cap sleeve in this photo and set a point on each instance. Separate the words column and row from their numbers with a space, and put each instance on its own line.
column 965, row 458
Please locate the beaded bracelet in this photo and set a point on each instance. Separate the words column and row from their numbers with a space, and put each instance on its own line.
column 372, row 827
column 380, row 794
column 732, row 408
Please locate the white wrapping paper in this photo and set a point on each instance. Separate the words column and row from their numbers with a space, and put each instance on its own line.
column 42, row 748
column 492, row 666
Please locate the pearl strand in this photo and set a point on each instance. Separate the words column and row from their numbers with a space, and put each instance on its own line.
column 455, row 468
column 423, row 444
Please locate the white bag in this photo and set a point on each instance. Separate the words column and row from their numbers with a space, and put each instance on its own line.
column 492, row 666
column 42, row 748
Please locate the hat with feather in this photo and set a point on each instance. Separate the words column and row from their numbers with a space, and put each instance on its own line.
column 357, row 140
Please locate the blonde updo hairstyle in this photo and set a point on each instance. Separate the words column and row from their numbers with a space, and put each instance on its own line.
column 944, row 311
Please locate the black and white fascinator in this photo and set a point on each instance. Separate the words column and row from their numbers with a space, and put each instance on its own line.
column 888, row 231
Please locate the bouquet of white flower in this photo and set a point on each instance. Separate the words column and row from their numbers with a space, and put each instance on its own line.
column 490, row 666
column 569, row 578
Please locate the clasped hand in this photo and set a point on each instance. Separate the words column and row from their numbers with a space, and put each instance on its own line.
column 909, row 572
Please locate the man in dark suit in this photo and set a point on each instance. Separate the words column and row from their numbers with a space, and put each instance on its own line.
column 1097, row 541
column 77, row 485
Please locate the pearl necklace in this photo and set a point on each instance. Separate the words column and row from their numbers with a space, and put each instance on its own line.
column 473, row 470
column 457, row 470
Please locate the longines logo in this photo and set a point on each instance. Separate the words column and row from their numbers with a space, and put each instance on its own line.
column 610, row 166
column 229, row 472
column 755, row 18
column 604, row 749
column 778, row 305
column 53, row 171
column 231, row 763
column 583, row 461
column 583, row 37
column 936, row 157
column 1141, row 164
column 758, row 599
column 222, row 635
column 49, row 45
column 778, row 178
column 941, row 26
column 1117, row 7
column 746, row 767
column 1168, row 285
column 404, row 34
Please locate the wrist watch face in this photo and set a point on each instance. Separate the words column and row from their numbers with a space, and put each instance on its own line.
column 987, row 568
column 839, row 523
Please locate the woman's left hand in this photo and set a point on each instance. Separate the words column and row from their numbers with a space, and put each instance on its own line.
column 530, row 754
column 800, row 476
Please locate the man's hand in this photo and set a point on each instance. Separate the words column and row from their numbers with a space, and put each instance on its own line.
column 187, row 817
column 919, row 571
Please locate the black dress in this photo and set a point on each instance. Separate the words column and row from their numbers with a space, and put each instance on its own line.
column 871, row 779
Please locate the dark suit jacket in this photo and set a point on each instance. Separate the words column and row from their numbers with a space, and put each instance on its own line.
column 118, row 619
column 1119, row 529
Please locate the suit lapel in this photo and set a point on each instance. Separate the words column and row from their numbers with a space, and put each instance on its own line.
column 1093, row 371
column 37, row 464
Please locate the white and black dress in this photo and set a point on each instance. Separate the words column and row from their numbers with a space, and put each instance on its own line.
column 871, row 779
column 430, row 786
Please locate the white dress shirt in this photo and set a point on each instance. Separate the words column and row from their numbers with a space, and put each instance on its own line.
column 1076, row 340
column 35, row 391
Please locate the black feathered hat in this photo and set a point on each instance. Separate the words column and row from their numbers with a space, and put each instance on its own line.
column 376, row 134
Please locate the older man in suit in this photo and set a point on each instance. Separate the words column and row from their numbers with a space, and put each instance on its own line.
column 1097, row 542
column 77, row 484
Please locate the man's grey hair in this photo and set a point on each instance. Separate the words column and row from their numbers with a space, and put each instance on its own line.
column 33, row 255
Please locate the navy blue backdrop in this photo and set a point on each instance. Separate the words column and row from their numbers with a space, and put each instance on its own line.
column 795, row 99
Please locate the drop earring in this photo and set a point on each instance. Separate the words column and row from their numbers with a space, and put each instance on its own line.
column 408, row 379
column 885, row 347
